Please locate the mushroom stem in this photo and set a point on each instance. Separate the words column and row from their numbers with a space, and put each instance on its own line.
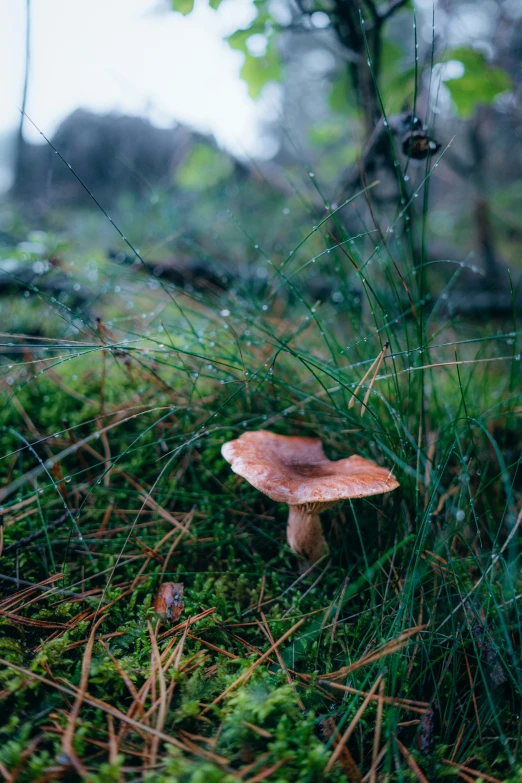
column 304, row 530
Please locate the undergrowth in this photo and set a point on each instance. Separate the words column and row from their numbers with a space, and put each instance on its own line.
column 114, row 413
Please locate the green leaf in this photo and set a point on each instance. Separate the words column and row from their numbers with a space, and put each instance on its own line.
column 479, row 84
column 259, row 71
column 238, row 40
column 215, row 4
column 183, row 6
column 339, row 96
column 396, row 83
column 326, row 134
column 204, row 168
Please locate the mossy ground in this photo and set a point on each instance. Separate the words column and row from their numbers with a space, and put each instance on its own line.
column 113, row 428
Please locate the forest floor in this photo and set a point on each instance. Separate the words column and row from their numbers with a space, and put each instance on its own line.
column 396, row 657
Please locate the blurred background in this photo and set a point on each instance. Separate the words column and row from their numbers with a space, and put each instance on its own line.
column 214, row 132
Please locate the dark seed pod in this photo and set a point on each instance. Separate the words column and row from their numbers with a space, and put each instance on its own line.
column 418, row 145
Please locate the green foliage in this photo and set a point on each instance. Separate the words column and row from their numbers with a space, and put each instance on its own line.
column 339, row 97
column 258, row 70
column 204, row 168
column 480, row 84
column 397, row 79
column 183, row 6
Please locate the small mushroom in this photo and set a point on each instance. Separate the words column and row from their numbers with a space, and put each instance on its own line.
column 169, row 601
column 296, row 471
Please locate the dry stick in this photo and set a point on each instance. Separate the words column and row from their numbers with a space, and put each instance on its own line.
column 412, row 764
column 67, row 747
column 107, row 708
column 37, row 534
column 353, row 725
column 377, row 734
column 471, row 771
column 243, row 677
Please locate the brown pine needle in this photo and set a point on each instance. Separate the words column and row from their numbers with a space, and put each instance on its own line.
column 265, row 773
column 113, row 745
column 394, row 645
column 266, row 630
column 470, row 771
column 156, row 666
column 412, row 764
column 378, row 760
column 473, row 696
column 246, row 674
column 351, row 770
column 121, row 716
column 377, row 734
column 338, row 612
column 353, row 725
column 395, row 701
column 375, row 362
column 68, row 735
column 5, row 774
column 258, row 730
column 457, row 744
column 375, row 374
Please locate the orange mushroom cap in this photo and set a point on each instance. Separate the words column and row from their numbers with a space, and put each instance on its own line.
column 295, row 470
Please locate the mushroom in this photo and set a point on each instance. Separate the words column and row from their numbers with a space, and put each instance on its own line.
column 296, row 471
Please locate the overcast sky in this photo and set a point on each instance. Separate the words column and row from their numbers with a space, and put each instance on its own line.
column 132, row 56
